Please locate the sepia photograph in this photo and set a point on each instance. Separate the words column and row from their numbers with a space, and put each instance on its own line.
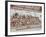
column 25, row 18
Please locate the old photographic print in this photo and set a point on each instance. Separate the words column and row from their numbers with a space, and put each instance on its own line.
column 25, row 18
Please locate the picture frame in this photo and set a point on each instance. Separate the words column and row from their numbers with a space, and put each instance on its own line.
column 7, row 12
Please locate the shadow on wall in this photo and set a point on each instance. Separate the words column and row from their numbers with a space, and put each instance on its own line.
column 10, row 0
column 10, row 36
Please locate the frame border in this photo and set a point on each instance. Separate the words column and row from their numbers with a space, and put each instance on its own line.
column 6, row 18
